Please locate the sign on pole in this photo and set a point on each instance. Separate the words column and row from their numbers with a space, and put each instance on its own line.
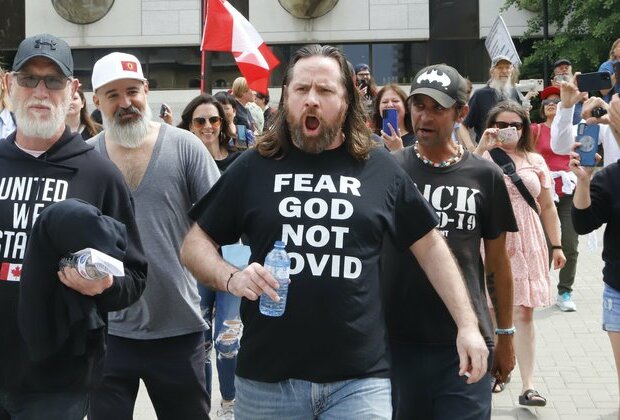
column 499, row 42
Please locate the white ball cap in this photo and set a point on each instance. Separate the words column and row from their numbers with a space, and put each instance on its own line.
column 116, row 66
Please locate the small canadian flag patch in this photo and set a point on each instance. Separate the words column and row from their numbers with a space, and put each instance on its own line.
column 10, row 272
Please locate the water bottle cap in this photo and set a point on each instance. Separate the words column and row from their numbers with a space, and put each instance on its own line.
column 279, row 244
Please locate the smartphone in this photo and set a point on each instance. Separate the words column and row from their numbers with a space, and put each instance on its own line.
column 590, row 82
column 162, row 110
column 362, row 83
column 241, row 135
column 508, row 136
column 562, row 78
column 587, row 135
column 390, row 115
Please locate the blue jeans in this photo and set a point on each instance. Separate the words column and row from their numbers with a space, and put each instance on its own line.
column 220, row 310
column 67, row 405
column 611, row 309
column 367, row 398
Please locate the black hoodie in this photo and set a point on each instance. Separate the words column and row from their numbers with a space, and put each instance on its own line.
column 69, row 169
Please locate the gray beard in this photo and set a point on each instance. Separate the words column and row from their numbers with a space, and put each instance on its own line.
column 503, row 89
column 314, row 145
column 34, row 126
column 130, row 135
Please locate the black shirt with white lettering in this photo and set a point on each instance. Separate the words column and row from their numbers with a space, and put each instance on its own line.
column 69, row 169
column 333, row 212
column 472, row 203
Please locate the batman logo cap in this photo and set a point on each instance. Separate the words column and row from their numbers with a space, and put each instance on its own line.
column 442, row 83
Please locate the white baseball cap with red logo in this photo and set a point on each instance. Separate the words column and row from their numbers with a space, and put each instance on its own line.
column 116, row 66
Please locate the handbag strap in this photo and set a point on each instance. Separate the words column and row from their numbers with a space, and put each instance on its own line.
column 508, row 167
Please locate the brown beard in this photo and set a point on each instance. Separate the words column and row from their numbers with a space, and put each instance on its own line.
column 315, row 144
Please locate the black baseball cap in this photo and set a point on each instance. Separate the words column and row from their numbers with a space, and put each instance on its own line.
column 48, row 46
column 442, row 83
column 562, row 61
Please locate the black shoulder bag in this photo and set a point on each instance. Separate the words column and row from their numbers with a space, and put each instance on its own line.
column 508, row 166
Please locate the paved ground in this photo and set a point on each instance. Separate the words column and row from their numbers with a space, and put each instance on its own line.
column 575, row 368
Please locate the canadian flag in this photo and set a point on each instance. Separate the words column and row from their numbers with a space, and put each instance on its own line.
column 227, row 30
column 10, row 272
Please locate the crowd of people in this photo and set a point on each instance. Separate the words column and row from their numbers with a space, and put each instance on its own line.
column 420, row 246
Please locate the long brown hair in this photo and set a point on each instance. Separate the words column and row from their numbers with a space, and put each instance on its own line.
column 377, row 118
column 205, row 98
column 92, row 127
column 525, row 141
column 276, row 143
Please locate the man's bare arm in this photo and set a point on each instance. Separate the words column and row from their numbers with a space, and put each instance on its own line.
column 440, row 267
column 199, row 254
column 500, row 287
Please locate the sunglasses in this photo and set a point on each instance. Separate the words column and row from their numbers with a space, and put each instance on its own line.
column 51, row 82
column 200, row 122
column 503, row 124
column 546, row 102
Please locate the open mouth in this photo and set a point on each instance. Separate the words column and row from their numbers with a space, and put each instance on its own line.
column 312, row 123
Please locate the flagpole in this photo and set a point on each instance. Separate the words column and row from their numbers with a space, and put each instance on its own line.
column 204, row 86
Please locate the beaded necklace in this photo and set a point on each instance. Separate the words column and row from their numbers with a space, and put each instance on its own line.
column 442, row 164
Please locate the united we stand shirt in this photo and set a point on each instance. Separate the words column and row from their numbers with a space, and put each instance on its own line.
column 333, row 212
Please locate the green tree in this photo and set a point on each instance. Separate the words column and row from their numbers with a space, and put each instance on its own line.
column 585, row 30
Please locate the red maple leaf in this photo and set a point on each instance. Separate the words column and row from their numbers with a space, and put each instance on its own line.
column 17, row 271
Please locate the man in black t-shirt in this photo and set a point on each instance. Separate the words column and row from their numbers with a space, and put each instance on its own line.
column 317, row 182
column 472, row 203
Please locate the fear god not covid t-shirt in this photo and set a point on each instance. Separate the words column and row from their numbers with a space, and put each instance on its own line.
column 333, row 212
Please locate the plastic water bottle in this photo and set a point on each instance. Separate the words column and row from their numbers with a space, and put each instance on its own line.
column 82, row 261
column 278, row 264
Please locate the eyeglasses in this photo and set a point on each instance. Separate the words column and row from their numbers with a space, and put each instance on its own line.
column 546, row 102
column 503, row 124
column 51, row 82
column 200, row 122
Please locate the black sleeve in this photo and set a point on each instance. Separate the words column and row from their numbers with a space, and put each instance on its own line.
column 472, row 115
column 118, row 203
column 413, row 215
column 591, row 218
column 497, row 216
column 218, row 212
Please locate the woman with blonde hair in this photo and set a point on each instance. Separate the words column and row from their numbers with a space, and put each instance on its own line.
column 612, row 66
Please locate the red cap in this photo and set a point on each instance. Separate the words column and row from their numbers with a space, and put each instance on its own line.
column 548, row 91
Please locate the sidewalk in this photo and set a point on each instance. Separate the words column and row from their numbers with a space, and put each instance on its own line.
column 575, row 367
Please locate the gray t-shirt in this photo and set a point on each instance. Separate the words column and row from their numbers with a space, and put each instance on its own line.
column 180, row 172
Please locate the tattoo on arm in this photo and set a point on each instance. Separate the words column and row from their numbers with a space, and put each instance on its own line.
column 492, row 291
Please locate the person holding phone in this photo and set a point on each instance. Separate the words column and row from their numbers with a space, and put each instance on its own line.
column 391, row 96
column 564, row 184
column 595, row 203
column 527, row 248
column 613, row 68
column 563, row 131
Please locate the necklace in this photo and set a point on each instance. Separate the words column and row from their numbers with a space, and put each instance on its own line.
column 443, row 163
